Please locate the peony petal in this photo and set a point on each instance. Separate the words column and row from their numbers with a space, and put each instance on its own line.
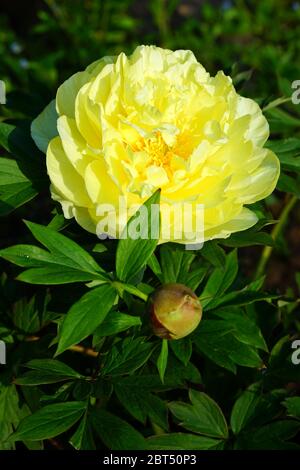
column 100, row 187
column 67, row 92
column 64, row 177
column 74, row 145
column 244, row 220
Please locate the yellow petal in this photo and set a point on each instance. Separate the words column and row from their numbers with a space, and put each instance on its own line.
column 64, row 177
column 67, row 92
column 100, row 187
column 73, row 144
column 156, row 176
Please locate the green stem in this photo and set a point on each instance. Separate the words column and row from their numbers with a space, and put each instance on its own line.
column 130, row 289
column 267, row 251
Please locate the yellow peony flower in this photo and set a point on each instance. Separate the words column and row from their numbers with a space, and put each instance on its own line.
column 127, row 126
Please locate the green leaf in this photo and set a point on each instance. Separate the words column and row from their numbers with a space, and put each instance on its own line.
column 49, row 422
column 214, row 254
column 132, row 255
column 284, row 145
column 243, row 328
column 194, row 278
column 244, row 408
column 281, row 369
column 141, row 383
column 85, row 316
column 30, row 315
column 18, row 142
column 69, row 252
column 140, row 403
column 289, row 161
column 177, row 267
column 15, row 188
column 28, row 256
column 179, row 374
column 238, row 298
column 293, row 406
column 163, row 359
column 9, row 413
column 216, row 340
column 82, row 439
column 249, row 238
column 182, row 348
column 127, row 357
column 116, row 433
column 271, row 437
column 204, row 415
column 53, row 275
column 114, row 323
column 183, row 441
column 67, row 262
column 155, row 266
column 254, row 408
column 220, row 280
column 174, row 262
column 47, row 371
column 44, row 127
column 278, row 118
column 289, row 184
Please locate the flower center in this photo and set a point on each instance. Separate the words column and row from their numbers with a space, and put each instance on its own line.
column 157, row 149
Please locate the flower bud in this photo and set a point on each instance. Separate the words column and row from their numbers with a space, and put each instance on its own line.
column 175, row 311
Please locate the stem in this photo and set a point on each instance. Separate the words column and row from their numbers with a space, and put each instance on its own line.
column 81, row 349
column 76, row 348
column 267, row 251
column 130, row 289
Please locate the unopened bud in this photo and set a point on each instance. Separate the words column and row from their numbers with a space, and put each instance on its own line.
column 175, row 311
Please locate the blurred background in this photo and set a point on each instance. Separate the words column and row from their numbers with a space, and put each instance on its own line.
column 42, row 42
column 45, row 41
